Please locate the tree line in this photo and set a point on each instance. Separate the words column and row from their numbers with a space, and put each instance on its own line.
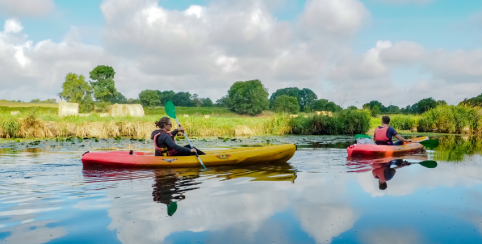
column 243, row 97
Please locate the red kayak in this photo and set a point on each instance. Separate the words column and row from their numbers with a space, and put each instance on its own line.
column 386, row 151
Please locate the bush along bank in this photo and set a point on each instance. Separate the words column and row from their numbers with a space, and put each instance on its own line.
column 345, row 122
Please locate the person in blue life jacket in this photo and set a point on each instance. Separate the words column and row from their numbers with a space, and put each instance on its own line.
column 165, row 144
column 384, row 133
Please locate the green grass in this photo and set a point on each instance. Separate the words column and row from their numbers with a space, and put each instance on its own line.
column 29, row 110
column 17, row 105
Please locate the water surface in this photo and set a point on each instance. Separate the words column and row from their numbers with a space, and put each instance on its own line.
column 319, row 196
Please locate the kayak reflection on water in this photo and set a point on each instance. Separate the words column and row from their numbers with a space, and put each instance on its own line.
column 384, row 169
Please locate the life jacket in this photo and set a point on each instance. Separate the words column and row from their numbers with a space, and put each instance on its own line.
column 381, row 134
column 164, row 150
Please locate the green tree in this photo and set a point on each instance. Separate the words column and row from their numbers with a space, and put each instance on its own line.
column 392, row 109
column 352, row 108
column 195, row 101
column 182, row 99
column 307, row 99
column 325, row 105
column 424, row 105
column 165, row 96
column 36, row 100
column 290, row 91
column 248, row 97
column 133, row 101
column 119, row 98
column 207, row 102
column 374, row 103
column 149, row 98
column 222, row 102
column 375, row 111
column 286, row 104
column 474, row 101
column 103, row 83
column 75, row 89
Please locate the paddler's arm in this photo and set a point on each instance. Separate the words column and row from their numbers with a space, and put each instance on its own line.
column 400, row 138
column 171, row 144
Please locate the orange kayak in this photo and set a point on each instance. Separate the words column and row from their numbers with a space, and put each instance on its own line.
column 386, row 151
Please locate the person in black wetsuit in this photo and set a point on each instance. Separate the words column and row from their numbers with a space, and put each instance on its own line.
column 164, row 140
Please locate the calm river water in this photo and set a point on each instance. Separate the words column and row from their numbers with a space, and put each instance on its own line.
column 319, row 196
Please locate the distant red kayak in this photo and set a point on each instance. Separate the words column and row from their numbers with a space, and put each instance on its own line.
column 386, row 151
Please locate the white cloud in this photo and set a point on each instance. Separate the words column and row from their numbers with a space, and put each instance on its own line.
column 20, row 8
column 12, row 26
column 406, row 1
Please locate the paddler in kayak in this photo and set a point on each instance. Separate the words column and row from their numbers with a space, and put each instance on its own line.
column 164, row 140
column 384, row 133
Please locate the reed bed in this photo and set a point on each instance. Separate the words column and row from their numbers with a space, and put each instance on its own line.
column 51, row 125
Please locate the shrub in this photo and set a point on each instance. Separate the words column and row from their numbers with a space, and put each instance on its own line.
column 248, row 97
column 286, row 104
column 347, row 122
column 404, row 122
column 449, row 119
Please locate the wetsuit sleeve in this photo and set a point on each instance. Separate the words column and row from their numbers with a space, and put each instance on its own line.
column 174, row 133
column 171, row 144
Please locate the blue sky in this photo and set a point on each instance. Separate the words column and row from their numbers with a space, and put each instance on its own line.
column 449, row 29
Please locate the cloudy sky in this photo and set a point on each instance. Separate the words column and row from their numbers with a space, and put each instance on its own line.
column 348, row 51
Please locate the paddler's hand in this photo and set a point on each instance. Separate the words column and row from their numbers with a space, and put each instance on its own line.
column 180, row 129
column 193, row 150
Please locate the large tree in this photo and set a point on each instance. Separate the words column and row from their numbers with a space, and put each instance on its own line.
column 286, row 104
column 206, row 102
column 474, row 101
column 306, row 97
column 75, row 89
column 103, row 83
column 223, row 102
column 325, row 105
column 149, row 98
column 182, row 99
column 248, row 97
column 374, row 103
column 165, row 96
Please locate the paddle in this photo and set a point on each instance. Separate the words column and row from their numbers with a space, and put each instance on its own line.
column 171, row 112
column 426, row 143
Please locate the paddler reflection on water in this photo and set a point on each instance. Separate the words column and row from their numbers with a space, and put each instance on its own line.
column 384, row 172
column 384, row 133
column 164, row 140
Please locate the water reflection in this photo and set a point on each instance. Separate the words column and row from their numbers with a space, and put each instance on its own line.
column 319, row 196
column 384, row 169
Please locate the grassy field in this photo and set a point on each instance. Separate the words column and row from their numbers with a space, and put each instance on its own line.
column 20, row 105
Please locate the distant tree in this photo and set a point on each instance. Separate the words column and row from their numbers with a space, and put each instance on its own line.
column 374, row 103
column 424, row 105
column 441, row 103
column 119, row 98
column 222, row 102
column 133, row 101
column 307, row 99
column 75, row 89
column 103, row 83
column 149, row 98
column 195, row 101
column 36, row 100
column 290, row 91
column 352, row 108
column 207, row 102
column 53, row 100
column 182, row 99
column 19, row 101
column 392, row 109
column 375, row 111
column 286, row 104
column 320, row 105
column 248, row 97
column 165, row 96
column 325, row 105
column 474, row 101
